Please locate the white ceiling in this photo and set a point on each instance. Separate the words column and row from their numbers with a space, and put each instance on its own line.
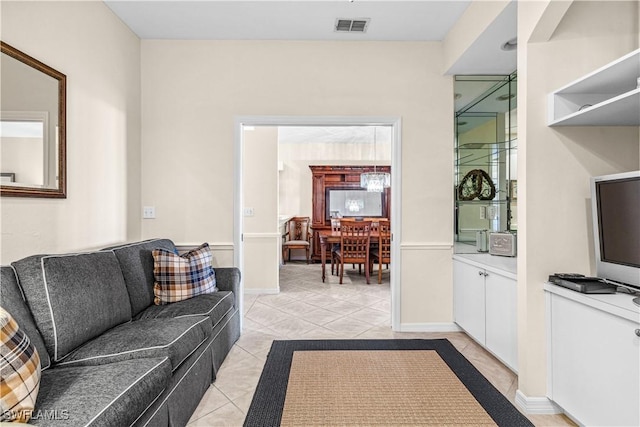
column 416, row 20
column 287, row 20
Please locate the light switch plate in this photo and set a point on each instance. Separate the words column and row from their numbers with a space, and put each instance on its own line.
column 149, row 212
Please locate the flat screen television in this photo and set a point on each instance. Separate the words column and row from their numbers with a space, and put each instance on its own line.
column 353, row 202
column 616, row 226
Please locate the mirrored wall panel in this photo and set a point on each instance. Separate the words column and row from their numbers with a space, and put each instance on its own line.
column 486, row 142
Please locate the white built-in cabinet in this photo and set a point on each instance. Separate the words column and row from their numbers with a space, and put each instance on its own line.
column 593, row 342
column 609, row 96
column 484, row 305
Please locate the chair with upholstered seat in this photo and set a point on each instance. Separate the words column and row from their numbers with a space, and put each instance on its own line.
column 297, row 236
column 382, row 254
column 354, row 245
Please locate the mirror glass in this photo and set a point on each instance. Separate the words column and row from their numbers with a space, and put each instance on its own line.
column 32, row 127
column 353, row 203
column 485, row 156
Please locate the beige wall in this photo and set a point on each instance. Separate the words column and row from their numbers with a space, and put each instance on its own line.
column 193, row 90
column 101, row 58
column 261, row 237
column 555, row 164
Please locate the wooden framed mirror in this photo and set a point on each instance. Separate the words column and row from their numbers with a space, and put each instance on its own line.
column 32, row 127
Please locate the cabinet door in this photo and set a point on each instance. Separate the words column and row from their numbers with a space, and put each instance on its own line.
column 595, row 364
column 468, row 299
column 501, row 318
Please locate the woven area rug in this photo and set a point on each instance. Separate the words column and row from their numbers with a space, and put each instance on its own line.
column 375, row 382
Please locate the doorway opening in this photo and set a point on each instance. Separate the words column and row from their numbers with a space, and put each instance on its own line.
column 260, row 185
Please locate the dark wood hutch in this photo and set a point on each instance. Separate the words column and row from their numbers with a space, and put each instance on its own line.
column 337, row 177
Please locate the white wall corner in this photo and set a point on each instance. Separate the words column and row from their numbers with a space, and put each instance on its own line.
column 536, row 405
column 429, row 327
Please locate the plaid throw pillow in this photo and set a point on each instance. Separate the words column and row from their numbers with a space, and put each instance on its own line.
column 180, row 277
column 19, row 371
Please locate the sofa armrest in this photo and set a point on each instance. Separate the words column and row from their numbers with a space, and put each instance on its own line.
column 228, row 279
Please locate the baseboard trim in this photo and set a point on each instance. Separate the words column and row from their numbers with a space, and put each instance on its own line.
column 260, row 291
column 537, row 405
column 429, row 327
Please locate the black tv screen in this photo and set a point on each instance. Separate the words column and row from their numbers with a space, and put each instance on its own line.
column 618, row 221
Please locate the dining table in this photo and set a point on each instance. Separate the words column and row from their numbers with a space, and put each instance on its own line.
column 329, row 237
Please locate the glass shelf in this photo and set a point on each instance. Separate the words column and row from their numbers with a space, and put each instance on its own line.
column 482, row 202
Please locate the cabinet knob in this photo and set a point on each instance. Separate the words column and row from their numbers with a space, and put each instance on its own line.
column 638, row 332
column 480, row 273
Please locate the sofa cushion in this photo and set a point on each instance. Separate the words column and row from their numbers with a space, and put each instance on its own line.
column 172, row 338
column 214, row 306
column 115, row 394
column 19, row 371
column 13, row 301
column 73, row 297
column 180, row 277
column 136, row 262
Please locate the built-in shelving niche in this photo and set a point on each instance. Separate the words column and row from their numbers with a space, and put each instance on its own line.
column 609, row 96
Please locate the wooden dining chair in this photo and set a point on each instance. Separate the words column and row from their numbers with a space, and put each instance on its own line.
column 382, row 254
column 335, row 226
column 354, row 245
column 375, row 228
column 297, row 236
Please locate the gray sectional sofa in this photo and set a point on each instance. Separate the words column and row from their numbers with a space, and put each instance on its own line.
column 109, row 356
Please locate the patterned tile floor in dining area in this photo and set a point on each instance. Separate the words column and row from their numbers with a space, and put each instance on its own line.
column 306, row 308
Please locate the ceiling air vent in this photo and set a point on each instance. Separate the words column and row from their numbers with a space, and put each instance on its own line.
column 352, row 25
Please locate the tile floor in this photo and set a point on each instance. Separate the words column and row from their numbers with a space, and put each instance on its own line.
column 306, row 308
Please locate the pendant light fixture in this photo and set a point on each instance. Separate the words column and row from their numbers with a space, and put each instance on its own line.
column 375, row 181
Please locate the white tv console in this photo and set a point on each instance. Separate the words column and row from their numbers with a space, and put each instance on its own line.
column 593, row 345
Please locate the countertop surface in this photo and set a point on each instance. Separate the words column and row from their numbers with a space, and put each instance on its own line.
column 506, row 266
column 619, row 304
